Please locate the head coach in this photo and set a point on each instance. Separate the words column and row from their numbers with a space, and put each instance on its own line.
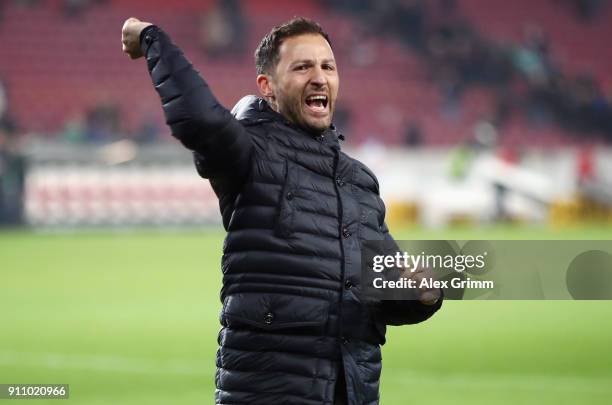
column 295, row 207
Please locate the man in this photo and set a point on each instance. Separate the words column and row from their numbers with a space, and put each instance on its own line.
column 295, row 327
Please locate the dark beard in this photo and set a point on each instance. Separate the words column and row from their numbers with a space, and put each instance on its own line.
column 293, row 113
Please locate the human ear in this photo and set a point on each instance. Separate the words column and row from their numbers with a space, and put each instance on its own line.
column 265, row 86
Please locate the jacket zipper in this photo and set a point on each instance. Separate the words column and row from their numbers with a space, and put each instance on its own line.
column 340, row 227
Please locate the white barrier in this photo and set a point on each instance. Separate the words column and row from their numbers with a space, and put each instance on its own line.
column 82, row 186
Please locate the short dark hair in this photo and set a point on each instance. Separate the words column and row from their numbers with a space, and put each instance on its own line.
column 266, row 54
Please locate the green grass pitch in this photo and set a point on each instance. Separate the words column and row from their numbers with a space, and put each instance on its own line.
column 132, row 318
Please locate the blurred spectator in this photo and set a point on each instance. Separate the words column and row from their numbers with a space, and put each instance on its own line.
column 150, row 128
column 74, row 130
column 7, row 122
column 587, row 106
column 362, row 48
column 103, row 122
column 586, row 10
column 357, row 7
column 483, row 141
column 223, row 30
column 410, row 23
column 26, row 3
column 457, row 58
column 402, row 18
column 603, row 112
column 413, row 135
column 585, row 165
column 74, row 8
column 3, row 101
column 531, row 57
column 342, row 119
column 524, row 79
column 12, row 179
column 453, row 61
column 484, row 134
column 12, row 165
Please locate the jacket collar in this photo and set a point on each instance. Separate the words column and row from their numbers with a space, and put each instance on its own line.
column 255, row 109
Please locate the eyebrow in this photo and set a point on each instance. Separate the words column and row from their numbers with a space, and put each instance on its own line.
column 310, row 61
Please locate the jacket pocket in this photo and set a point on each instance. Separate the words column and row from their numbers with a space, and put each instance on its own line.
column 274, row 311
column 286, row 211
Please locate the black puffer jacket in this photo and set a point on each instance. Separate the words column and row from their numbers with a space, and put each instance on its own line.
column 296, row 209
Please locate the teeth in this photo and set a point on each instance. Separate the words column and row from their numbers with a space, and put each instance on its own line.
column 313, row 98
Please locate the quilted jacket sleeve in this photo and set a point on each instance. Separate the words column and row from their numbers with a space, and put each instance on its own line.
column 404, row 312
column 220, row 143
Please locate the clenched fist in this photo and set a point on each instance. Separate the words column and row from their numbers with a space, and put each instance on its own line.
column 130, row 36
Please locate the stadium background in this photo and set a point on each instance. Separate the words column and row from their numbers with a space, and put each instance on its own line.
column 484, row 120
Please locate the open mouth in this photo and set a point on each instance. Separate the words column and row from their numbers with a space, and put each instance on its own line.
column 317, row 103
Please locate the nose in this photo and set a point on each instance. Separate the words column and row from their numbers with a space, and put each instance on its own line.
column 318, row 78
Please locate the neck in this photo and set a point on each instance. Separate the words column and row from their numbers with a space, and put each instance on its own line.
column 273, row 104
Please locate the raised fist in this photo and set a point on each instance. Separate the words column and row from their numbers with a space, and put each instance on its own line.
column 130, row 36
